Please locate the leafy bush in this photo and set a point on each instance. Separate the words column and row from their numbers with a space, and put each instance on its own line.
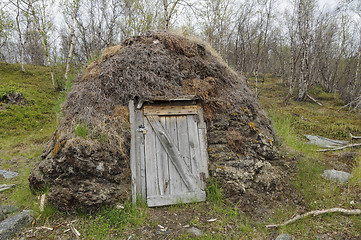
column 5, row 90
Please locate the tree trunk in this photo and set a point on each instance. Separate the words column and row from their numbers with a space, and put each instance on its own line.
column 71, row 48
column 44, row 43
column 20, row 37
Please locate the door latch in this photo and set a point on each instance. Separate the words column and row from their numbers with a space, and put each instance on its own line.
column 142, row 129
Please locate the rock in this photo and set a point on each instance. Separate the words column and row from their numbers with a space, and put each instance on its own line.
column 195, row 231
column 5, row 210
column 8, row 174
column 4, row 187
column 283, row 237
column 341, row 177
column 11, row 225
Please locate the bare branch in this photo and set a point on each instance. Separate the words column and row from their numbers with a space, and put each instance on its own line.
column 339, row 148
column 317, row 212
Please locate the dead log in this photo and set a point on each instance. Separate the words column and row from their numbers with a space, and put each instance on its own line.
column 339, row 148
column 318, row 212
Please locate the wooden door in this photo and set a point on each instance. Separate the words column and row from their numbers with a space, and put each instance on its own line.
column 170, row 154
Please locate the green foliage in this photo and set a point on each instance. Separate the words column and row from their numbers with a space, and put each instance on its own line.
column 16, row 120
column 5, row 90
column 214, row 193
column 6, row 25
column 81, row 130
column 284, row 126
column 356, row 173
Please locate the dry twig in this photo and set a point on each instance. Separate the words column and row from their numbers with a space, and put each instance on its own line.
column 350, row 103
column 355, row 137
column 318, row 212
column 339, row 148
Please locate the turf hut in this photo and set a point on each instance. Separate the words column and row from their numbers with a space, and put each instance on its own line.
column 87, row 161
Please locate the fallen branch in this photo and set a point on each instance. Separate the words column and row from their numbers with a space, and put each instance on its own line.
column 314, row 100
column 355, row 137
column 4, row 187
column 318, row 212
column 75, row 232
column 339, row 148
column 350, row 103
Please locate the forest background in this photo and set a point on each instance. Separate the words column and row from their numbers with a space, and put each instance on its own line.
column 301, row 41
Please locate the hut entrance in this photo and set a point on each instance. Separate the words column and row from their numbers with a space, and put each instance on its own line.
column 169, row 159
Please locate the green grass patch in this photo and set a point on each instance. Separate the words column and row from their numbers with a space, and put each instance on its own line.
column 109, row 222
column 81, row 130
column 214, row 193
column 356, row 173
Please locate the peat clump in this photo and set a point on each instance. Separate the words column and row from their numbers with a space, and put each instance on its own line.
column 86, row 162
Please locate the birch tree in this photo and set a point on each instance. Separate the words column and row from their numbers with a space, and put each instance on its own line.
column 71, row 9
column 37, row 10
column 170, row 9
column 305, row 14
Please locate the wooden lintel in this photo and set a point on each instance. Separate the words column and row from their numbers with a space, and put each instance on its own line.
column 170, row 110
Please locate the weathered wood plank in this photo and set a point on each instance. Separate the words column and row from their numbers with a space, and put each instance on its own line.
column 164, row 161
column 175, row 181
column 174, row 154
column 150, row 160
column 195, row 150
column 170, row 110
column 133, row 159
column 139, row 153
column 202, row 135
column 154, row 201
column 183, row 144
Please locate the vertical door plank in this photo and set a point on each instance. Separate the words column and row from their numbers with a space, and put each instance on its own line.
column 183, row 144
column 133, row 160
column 174, row 178
column 140, row 155
column 164, row 161
column 202, row 131
column 195, row 151
column 150, row 160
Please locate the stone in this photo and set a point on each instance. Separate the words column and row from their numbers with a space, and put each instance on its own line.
column 283, row 237
column 11, row 225
column 195, row 231
column 8, row 174
column 5, row 210
column 341, row 177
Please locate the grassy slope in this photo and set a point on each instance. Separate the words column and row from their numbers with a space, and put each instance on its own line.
column 291, row 123
column 25, row 130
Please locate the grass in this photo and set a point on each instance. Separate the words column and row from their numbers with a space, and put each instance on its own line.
column 291, row 122
column 81, row 130
column 24, row 129
column 109, row 222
